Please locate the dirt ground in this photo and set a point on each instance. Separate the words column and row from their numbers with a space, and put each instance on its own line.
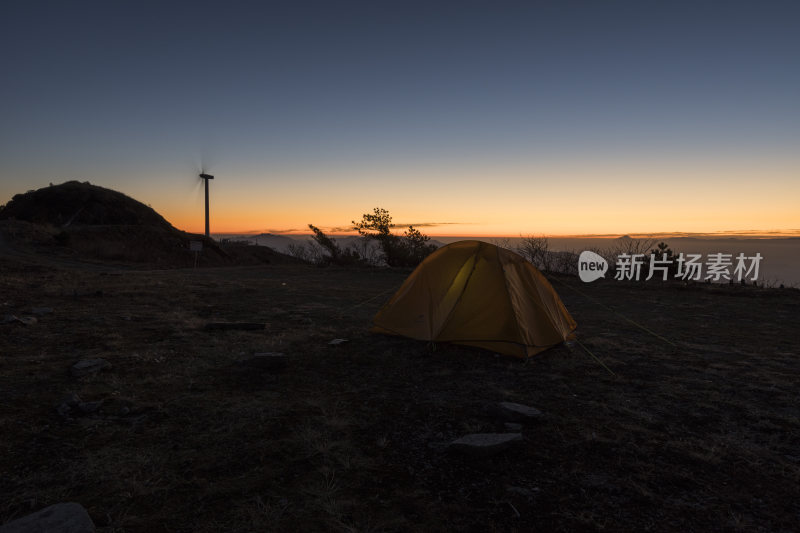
column 697, row 429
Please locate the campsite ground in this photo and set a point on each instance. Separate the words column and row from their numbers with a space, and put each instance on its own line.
column 697, row 431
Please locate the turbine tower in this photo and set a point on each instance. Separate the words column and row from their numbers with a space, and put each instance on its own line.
column 206, row 177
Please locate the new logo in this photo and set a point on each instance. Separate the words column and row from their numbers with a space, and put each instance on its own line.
column 591, row 266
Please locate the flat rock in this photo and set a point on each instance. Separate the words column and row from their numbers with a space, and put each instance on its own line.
column 514, row 412
column 88, row 366
column 522, row 491
column 13, row 319
column 59, row 518
column 484, row 444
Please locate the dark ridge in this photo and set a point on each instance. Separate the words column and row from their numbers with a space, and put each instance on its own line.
column 81, row 204
column 77, row 221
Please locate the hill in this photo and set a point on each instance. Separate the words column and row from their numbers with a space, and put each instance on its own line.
column 81, row 204
column 85, row 222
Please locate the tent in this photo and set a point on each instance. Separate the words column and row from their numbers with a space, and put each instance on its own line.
column 477, row 294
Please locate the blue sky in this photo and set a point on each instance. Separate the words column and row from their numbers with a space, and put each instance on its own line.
column 505, row 117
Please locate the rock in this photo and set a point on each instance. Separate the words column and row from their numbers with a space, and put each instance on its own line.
column 484, row 444
column 58, row 518
column 68, row 402
column 528, row 493
column 513, row 426
column 25, row 320
column 88, row 366
column 71, row 399
column 72, row 405
column 514, row 412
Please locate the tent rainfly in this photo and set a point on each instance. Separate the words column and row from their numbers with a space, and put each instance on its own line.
column 477, row 294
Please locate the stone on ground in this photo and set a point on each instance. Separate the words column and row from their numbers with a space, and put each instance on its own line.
column 58, row 518
column 515, row 412
column 25, row 320
column 88, row 366
column 484, row 444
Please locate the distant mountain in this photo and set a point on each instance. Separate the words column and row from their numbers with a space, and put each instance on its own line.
column 281, row 243
column 276, row 242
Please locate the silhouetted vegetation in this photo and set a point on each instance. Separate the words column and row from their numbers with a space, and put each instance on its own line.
column 406, row 250
column 378, row 246
column 663, row 252
column 336, row 254
column 537, row 251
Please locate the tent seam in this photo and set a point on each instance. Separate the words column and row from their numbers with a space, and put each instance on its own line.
column 510, row 299
column 449, row 316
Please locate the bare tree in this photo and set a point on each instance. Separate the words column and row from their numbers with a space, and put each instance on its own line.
column 565, row 262
column 537, row 251
column 308, row 251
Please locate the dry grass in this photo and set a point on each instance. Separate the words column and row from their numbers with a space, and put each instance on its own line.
column 699, row 436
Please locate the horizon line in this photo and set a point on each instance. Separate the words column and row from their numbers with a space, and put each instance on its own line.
column 741, row 234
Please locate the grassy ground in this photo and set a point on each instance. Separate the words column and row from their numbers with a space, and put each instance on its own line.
column 697, row 431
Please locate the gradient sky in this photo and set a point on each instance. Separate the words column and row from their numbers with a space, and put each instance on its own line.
column 492, row 118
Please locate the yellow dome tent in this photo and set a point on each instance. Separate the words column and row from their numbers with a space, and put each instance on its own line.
column 477, row 294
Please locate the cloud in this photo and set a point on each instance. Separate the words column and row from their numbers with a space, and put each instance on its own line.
column 396, row 226
column 428, row 224
column 284, row 231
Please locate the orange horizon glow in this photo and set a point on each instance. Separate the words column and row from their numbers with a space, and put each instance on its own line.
column 253, row 223
column 235, row 226
column 245, row 222
column 708, row 196
column 335, row 231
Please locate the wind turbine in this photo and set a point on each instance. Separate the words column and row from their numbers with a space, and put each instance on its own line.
column 205, row 177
